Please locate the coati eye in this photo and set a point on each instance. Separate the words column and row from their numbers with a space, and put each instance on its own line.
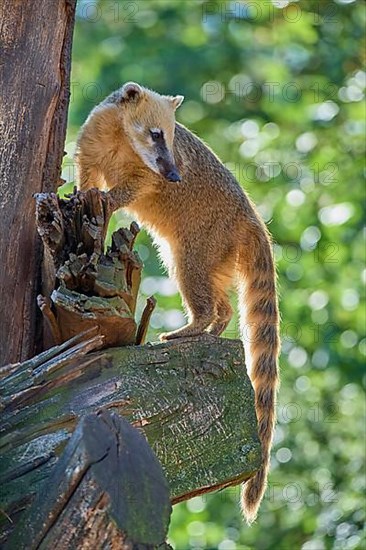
column 156, row 134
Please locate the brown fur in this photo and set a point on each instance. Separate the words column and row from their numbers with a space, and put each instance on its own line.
column 213, row 231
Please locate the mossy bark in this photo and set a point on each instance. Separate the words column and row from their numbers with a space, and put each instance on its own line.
column 192, row 399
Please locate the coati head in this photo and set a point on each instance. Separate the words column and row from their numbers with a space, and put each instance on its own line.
column 149, row 122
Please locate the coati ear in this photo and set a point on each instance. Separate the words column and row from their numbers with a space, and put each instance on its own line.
column 177, row 101
column 131, row 91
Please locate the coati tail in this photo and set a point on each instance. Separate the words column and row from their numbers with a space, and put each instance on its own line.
column 260, row 328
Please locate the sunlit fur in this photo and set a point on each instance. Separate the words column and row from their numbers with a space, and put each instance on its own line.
column 214, row 233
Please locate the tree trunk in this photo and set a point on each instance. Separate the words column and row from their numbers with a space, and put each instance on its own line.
column 35, row 63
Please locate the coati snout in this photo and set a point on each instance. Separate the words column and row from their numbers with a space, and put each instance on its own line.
column 149, row 122
column 167, row 167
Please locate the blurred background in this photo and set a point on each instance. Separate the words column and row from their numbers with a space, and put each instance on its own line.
column 276, row 88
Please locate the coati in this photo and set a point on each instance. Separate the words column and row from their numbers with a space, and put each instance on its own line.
column 192, row 205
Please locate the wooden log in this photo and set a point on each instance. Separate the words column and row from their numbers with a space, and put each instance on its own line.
column 106, row 491
column 34, row 95
column 191, row 398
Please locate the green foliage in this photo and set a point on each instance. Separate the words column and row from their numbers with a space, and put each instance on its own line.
column 276, row 89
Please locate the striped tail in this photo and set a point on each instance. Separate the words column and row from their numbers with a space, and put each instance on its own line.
column 260, row 327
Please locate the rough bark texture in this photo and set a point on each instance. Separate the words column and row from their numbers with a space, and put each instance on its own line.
column 191, row 398
column 93, row 288
column 34, row 94
column 97, row 497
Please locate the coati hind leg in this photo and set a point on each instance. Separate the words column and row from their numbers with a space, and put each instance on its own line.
column 224, row 313
column 199, row 300
column 204, row 293
column 222, row 282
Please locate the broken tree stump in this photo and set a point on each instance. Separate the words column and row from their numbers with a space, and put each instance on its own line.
column 106, row 491
column 192, row 399
column 93, row 288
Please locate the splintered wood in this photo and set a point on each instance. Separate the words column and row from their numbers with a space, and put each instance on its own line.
column 93, row 288
column 99, row 497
